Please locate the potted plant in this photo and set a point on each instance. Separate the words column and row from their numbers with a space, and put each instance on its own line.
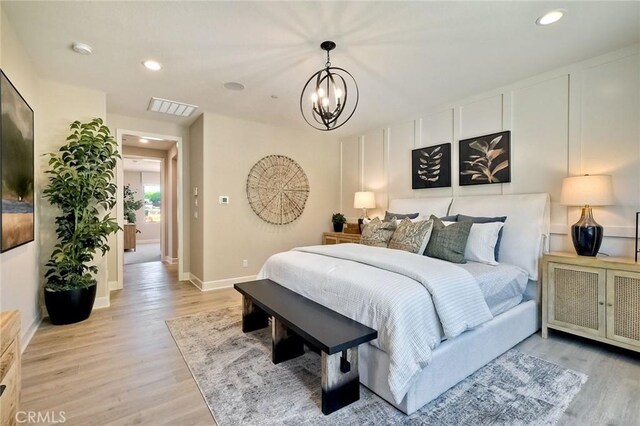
column 338, row 221
column 131, row 205
column 81, row 186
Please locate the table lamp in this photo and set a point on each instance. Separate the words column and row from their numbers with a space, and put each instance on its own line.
column 587, row 191
column 364, row 200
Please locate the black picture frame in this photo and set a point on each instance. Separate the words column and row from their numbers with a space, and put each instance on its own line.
column 431, row 167
column 485, row 160
column 17, row 135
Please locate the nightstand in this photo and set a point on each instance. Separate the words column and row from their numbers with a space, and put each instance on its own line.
column 340, row 238
column 593, row 297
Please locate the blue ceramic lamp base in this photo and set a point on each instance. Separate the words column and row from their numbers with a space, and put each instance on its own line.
column 587, row 234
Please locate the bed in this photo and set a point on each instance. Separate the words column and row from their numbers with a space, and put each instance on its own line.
column 437, row 322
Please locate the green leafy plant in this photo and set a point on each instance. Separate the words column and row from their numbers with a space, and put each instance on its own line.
column 81, row 186
column 485, row 166
column 338, row 218
column 131, row 205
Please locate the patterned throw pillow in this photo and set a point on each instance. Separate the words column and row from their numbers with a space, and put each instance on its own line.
column 377, row 233
column 411, row 236
column 448, row 242
column 397, row 216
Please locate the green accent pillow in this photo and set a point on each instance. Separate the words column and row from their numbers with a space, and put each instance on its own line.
column 378, row 233
column 448, row 242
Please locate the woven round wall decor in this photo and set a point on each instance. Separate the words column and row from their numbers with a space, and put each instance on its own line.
column 277, row 189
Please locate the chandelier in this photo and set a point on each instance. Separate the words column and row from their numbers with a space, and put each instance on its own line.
column 324, row 101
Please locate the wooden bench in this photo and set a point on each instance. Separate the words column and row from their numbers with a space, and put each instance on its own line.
column 296, row 321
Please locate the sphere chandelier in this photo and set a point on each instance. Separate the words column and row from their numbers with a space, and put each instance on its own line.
column 330, row 97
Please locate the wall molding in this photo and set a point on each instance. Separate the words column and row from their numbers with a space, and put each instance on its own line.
column 28, row 334
column 155, row 241
column 218, row 284
column 101, row 302
column 170, row 260
column 114, row 285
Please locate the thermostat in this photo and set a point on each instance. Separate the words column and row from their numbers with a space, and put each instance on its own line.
column 223, row 199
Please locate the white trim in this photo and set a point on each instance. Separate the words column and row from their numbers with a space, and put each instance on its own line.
column 156, row 241
column 218, row 284
column 101, row 302
column 170, row 260
column 114, row 285
column 120, row 205
column 28, row 334
column 184, row 276
column 609, row 231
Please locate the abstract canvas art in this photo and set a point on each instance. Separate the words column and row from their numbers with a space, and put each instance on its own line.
column 431, row 167
column 485, row 159
column 16, row 166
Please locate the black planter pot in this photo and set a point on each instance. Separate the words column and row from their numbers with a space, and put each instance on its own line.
column 337, row 227
column 70, row 306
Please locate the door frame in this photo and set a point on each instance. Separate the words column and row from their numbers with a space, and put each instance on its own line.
column 120, row 204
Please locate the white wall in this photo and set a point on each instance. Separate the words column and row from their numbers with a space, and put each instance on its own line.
column 580, row 119
column 225, row 234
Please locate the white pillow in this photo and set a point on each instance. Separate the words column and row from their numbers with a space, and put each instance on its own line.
column 482, row 241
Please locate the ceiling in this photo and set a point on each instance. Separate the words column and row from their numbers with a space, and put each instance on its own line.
column 407, row 57
column 162, row 144
column 140, row 165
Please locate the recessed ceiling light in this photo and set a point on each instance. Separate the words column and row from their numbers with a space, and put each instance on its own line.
column 233, row 85
column 82, row 48
column 550, row 17
column 152, row 65
column 142, row 140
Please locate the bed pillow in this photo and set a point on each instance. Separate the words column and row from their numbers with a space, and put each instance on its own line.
column 478, row 219
column 482, row 241
column 388, row 216
column 453, row 218
column 448, row 242
column 377, row 233
column 411, row 236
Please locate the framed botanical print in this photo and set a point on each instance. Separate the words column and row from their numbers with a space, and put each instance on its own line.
column 485, row 159
column 431, row 167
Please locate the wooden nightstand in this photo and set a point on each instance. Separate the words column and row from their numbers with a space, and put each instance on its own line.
column 340, row 238
column 593, row 297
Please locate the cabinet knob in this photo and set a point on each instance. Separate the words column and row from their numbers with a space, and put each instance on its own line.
column 600, row 303
column 609, row 304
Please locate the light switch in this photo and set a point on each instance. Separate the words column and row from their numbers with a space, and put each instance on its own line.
column 223, row 199
column 195, row 191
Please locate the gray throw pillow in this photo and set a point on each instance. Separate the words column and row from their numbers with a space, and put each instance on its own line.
column 410, row 236
column 448, row 242
column 399, row 216
column 479, row 219
column 453, row 218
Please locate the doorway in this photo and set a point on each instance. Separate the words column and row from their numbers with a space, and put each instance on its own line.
column 149, row 205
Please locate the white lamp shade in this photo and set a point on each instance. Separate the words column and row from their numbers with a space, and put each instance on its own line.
column 364, row 200
column 587, row 190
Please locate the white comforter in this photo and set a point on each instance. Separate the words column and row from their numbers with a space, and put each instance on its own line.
column 413, row 301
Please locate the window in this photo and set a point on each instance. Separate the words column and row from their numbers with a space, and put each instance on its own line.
column 152, row 203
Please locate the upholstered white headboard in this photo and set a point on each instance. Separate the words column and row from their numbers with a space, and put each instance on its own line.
column 438, row 206
column 526, row 231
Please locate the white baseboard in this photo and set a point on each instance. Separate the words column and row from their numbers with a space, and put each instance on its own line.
column 28, row 334
column 114, row 285
column 170, row 260
column 184, row 276
column 218, row 284
column 156, row 241
column 101, row 302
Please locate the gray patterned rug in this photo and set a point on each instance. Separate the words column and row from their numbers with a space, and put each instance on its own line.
column 242, row 387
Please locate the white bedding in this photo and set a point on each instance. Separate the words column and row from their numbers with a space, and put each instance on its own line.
column 413, row 301
column 503, row 285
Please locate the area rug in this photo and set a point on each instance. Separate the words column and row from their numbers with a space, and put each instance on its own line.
column 242, row 387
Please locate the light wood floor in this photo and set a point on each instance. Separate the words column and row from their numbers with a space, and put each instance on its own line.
column 121, row 366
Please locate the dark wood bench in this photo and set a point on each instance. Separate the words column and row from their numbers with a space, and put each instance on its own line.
column 296, row 321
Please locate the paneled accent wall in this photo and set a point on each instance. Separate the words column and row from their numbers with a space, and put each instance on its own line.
column 580, row 119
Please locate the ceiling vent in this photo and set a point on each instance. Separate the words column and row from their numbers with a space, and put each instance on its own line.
column 171, row 107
